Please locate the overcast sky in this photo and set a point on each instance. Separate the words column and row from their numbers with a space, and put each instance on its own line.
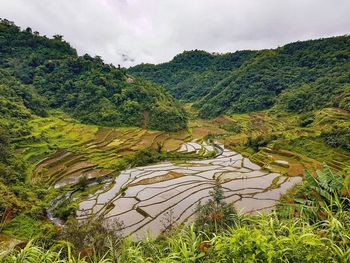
column 129, row 32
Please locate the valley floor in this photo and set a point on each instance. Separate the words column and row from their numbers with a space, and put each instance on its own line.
column 83, row 160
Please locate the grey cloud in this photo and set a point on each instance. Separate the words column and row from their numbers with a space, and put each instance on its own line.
column 129, row 32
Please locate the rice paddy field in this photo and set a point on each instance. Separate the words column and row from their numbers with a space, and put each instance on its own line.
column 286, row 146
column 61, row 150
column 145, row 199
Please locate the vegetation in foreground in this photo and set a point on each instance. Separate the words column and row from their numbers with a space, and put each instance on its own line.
column 314, row 230
column 296, row 82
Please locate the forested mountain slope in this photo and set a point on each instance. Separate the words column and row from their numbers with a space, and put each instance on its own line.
column 83, row 86
column 39, row 75
column 191, row 74
column 298, row 77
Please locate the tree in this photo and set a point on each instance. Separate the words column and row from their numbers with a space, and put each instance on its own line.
column 58, row 37
column 216, row 215
column 83, row 182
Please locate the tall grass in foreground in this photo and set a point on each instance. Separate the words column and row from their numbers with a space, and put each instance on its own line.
column 62, row 252
column 316, row 228
column 254, row 239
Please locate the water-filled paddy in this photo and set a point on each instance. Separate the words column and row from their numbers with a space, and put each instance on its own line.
column 143, row 198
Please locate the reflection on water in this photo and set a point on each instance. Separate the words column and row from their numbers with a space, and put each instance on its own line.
column 143, row 197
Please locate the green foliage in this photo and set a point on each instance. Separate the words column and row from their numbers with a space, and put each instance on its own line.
column 167, row 117
column 337, row 137
column 57, row 254
column 298, row 77
column 83, row 182
column 140, row 158
column 233, row 128
column 260, row 141
column 215, row 215
column 146, row 156
column 258, row 239
column 344, row 98
column 65, row 209
column 322, row 196
column 306, row 119
column 26, row 227
column 95, row 235
column 150, row 155
column 192, row 74
column 12, row 169
column 14, row 192
column 83, row 86
column 31, row 253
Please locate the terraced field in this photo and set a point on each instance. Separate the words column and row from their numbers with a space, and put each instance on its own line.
column 288, row 147
column 61, row 151
column 143, row 198
column 150, row 198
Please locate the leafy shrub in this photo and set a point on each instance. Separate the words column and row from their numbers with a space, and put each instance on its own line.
column 26, row 227
column 65, row 209
column 261, row 141
column 306, row 119
column 337, row 137
column 95, row 234
column 322, row 196
column 146, row 156
column 215, row 215
column 83, row 182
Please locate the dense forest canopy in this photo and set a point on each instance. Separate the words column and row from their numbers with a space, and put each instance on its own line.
column 298, row 77
column 191, row 74
column 85, row 87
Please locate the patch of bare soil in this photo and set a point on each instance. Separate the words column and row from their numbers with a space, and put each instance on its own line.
column 157, row 179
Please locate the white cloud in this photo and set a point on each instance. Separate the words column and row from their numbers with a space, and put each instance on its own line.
column 156, row 30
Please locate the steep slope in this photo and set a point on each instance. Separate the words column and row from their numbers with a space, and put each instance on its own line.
column 85, row 87
column 39, row 75
column 18, row 104
column 298, row 77
column 191, row 74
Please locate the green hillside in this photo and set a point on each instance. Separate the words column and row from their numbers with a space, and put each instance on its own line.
column 91, row 154
column 40, row 78
column 83, row 86
column 192, row 74
column 297, row 77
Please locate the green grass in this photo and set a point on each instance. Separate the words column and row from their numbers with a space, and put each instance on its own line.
column 26, row 227
column 252, row 239
column 314, row 147
column 56, row 132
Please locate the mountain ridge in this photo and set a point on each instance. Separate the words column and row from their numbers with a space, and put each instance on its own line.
column 263, row 79
column 83, row 86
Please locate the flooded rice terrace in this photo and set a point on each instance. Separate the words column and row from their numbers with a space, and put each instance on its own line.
column 144, row 198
